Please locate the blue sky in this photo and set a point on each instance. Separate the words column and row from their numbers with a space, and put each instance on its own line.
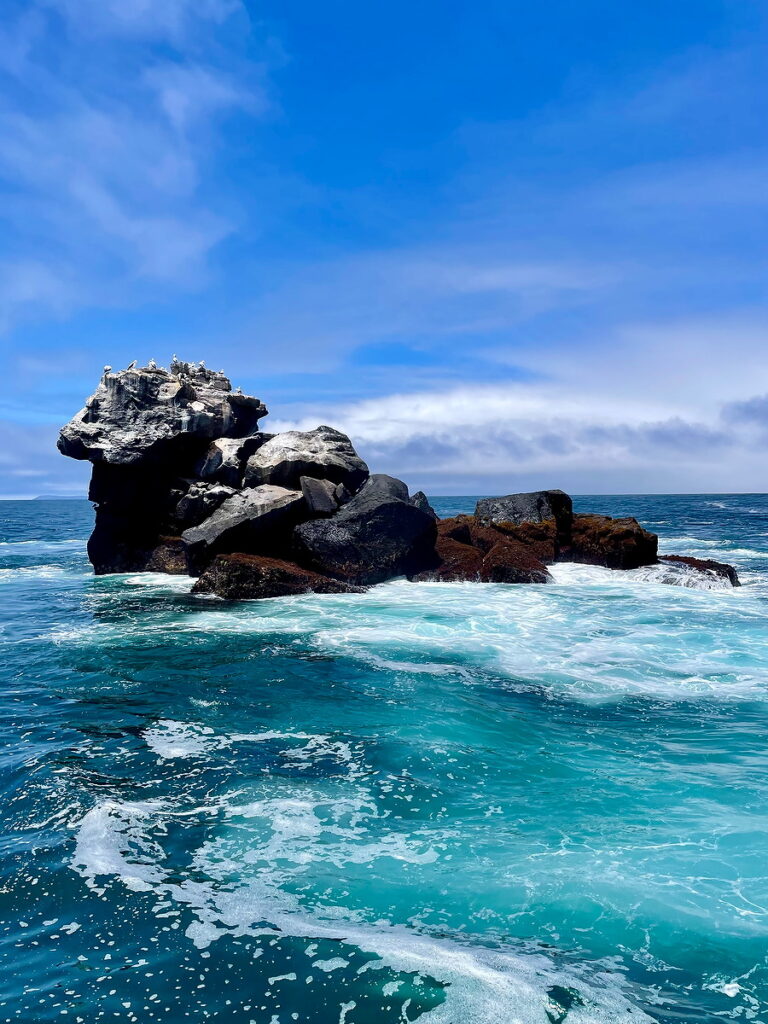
column 504, row 245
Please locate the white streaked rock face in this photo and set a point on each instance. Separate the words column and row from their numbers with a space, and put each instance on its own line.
column 135, row 413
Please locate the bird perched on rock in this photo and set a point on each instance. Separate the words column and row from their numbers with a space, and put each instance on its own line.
column 131, row 365
column 107, row 369
column 151, row 365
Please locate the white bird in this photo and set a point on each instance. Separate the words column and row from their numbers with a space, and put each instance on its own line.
column 131, row 365
column 107, row 369
column 202, row 364
column 151, row 365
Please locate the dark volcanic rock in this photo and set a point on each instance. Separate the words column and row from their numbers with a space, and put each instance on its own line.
column 420, row 500
column 706, row 565
column 249, row 521
column 385, row 486
column 615, row 543
column 374, row 537
column 201, row 500
column 238, row 576
column 324, row 453
column 530, row 507
column 320, row 495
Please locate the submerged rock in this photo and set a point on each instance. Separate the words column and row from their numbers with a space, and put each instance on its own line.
column 706, row 566
column 247, row 577
column 374, row 537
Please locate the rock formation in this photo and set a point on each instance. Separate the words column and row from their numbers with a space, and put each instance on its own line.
column 185, row 482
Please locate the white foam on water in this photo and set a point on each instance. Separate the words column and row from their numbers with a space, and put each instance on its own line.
column 116, row 839
column 112, row 841
column 170, row 739
column 36, row 572
column 594, row 634
column 26, row 547
column 664, row 573
column 155, row 580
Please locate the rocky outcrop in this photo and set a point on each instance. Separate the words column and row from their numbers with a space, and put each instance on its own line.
column 615, row 543
column 249, row 577
column 148, row 432
column 323, row 453
column 185, row 482
column 707, row 566
column 376, row 536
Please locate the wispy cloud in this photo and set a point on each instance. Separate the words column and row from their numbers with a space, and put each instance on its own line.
column 105, row 152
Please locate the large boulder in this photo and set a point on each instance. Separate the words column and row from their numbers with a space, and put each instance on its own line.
column 324, row 453
column 615, row 543
column 247, row 577
column 529, row 507
column 252, row 520
column 374, row 537
column 148, row 414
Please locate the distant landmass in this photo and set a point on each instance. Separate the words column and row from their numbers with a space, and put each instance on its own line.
column 60, row 497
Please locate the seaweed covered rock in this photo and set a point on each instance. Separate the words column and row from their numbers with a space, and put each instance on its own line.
column 470, row 551
column 615, row 543
column 247, row 577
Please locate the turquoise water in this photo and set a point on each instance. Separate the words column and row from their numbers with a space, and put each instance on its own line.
column 462, row 803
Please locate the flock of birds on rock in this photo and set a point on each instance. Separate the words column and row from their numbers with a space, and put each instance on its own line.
column 176, row 367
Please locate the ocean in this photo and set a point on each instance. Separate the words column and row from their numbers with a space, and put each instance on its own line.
column 458, row 803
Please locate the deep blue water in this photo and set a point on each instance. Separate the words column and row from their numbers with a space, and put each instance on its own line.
column 462, row 803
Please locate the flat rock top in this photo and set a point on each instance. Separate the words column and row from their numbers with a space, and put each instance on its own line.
column 136, row 410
